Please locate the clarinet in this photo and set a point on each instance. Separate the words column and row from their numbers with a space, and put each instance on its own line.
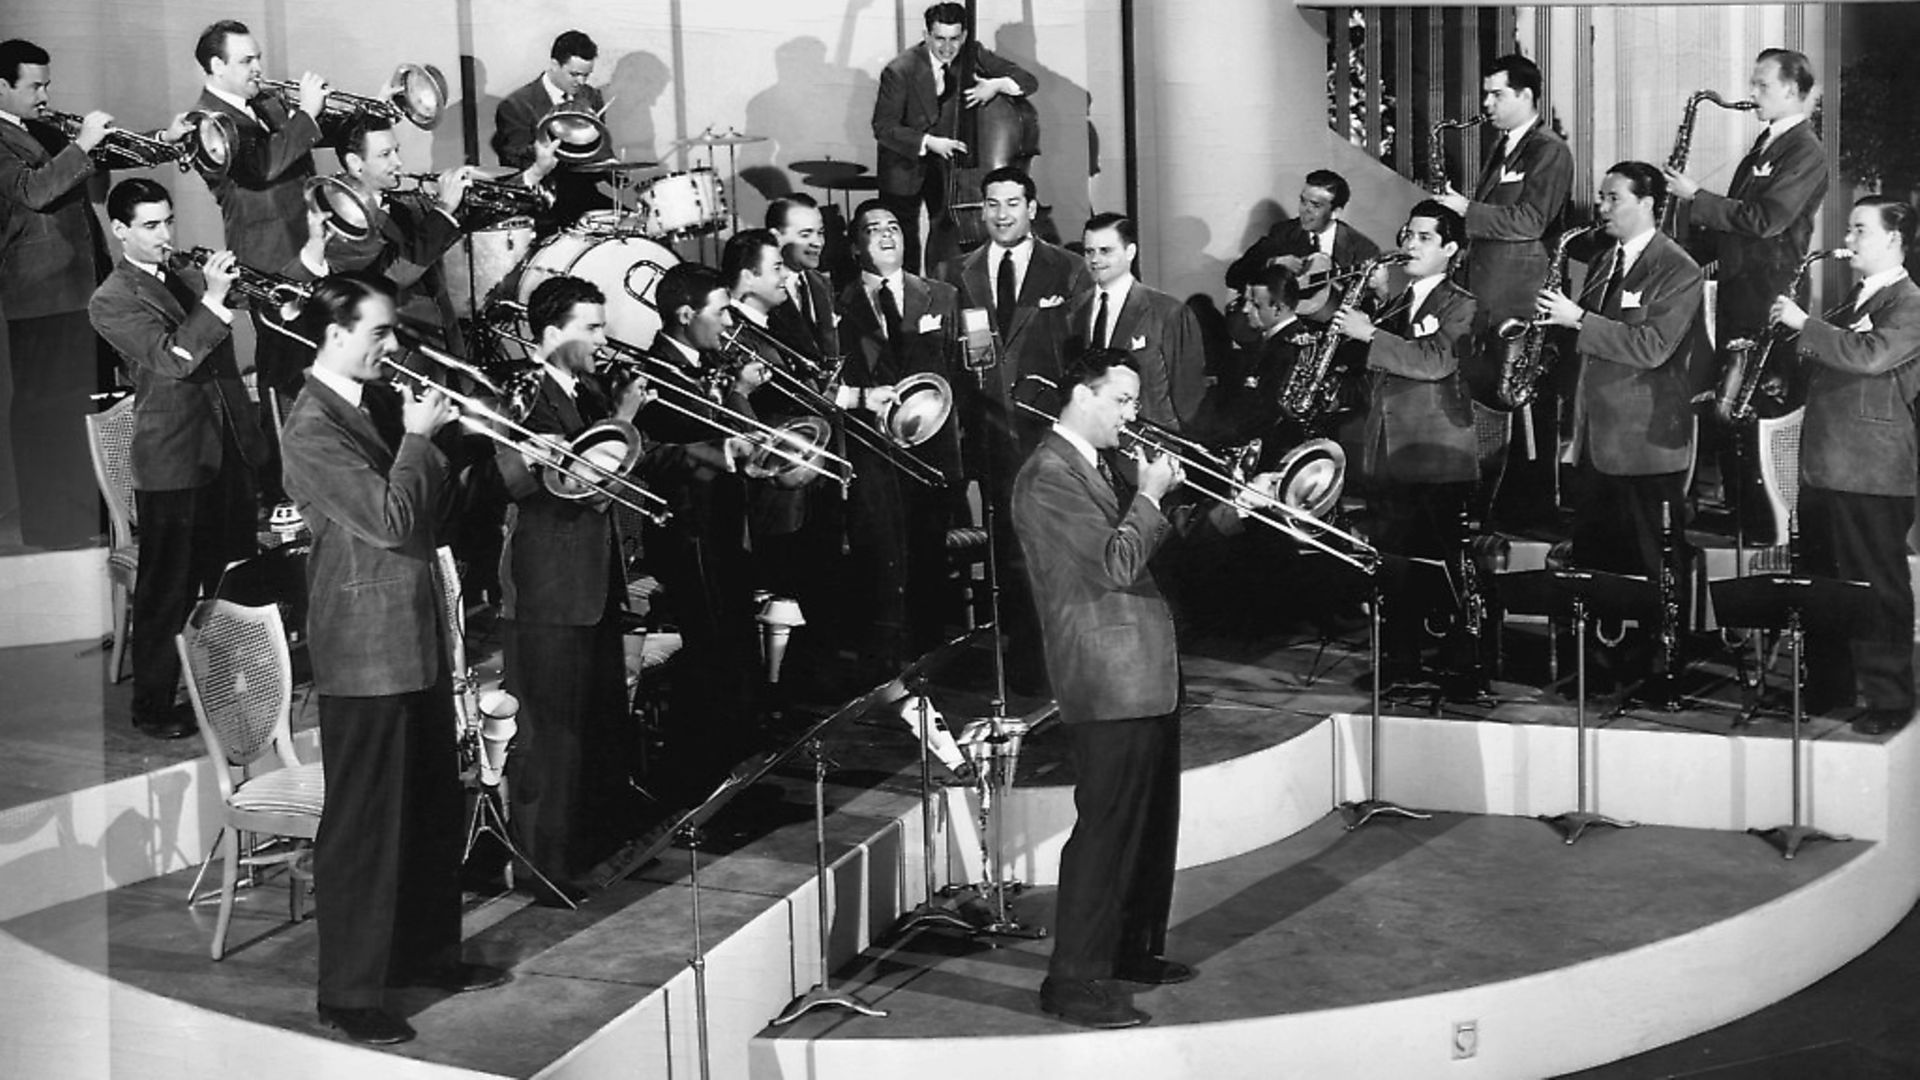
column 1669, row 608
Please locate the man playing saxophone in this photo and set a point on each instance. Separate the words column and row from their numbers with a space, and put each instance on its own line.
column 1418, row 455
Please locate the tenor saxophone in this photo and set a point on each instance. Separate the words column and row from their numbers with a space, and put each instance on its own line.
column 1747, row 360
column 1683, row 140
column 1437, row 150
column 1524, row 358
column 1311, row 392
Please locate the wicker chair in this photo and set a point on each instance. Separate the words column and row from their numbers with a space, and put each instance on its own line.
column 1779, row 440
column 241, row 681
column 110, row 437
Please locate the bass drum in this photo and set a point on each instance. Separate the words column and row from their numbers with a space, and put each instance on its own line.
column 497, row 252
column 626, row 268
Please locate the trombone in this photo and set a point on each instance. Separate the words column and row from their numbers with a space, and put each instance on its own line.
column 207, row 147
column 419, row 96
column 474, row 415
column 1222, row 485
column 630, row 362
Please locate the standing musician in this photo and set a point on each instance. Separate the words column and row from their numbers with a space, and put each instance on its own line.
column 1633, row 421
column 1089, row 536
column 1857, row 463
column 1418, row 454
column 195, row 436
column 1156, row 329
column 516, row 125
column 51, row 257
column 807, row 322
column 1318, row 231
column 361, row 465
column 917, row 115
column 898, row 324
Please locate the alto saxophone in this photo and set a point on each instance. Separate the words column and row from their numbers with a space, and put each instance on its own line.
column 1683, row 141
column 1747, row 360
column 1524, row 358
column 1311, row 392
column 1437, row 150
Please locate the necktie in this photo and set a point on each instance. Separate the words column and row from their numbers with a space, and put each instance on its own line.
column 179, row 290
column 1610, row 300
column 942, row 84
column 1106, row 473
column 889, row 312
column 1003, row 292
column 1759, row 145
column 1851, row 309
column 1099, row 339
column 805, row 296
column 1402, row 317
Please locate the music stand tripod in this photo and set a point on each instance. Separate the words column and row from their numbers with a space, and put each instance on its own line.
column 929, row 912
column 1579, row 594
column 822, row 994
column 1789, row 602
column 1359, row 812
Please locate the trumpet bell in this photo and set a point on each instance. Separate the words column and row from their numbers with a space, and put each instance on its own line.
column 921, row 405
column 613, row 445
column 420, row 93
column 214, row 137
column 578, row 136
column 804, row 440
column 1307, row 478
column 348, row 214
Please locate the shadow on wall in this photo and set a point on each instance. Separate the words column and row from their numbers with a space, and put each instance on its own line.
column 639, row 80
column 1067, row 138
column 818, row 107
column 449, row 139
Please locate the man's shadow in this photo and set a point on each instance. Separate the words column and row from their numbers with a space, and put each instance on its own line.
column 1067, row 136
column 818, row 107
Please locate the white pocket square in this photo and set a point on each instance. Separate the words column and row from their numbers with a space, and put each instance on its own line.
column 1630, row 299
column 1052, row 301
column 1762, row 169
column 1427, row 327
column 1862, row 325
column 929, row 323
column 1511, row 177
column 1139, row 342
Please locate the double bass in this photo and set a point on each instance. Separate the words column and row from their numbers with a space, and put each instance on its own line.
column 1004, row 131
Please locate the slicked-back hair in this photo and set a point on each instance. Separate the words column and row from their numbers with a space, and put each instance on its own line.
column 130, row 193
column 571, row 44
column 1281, row 285
column 1010, row 174
column 335, row 301
column 742, row 253
column 16, row 52
column 685, row 285
column 857, row 228
column 1335, row 184
column 1522, row 74
column 353, row 136
column 1896, row 216
column 1794, row 67
column 554, row 299
column 1451, row 226
column 1120, row 223
column 949, row 14
column 1644, row 180
column 213, row 42
column 1090, row 366
column 777, row 209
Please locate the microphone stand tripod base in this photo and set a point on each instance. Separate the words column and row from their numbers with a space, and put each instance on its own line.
column 822, row 996
column 1359, row 813
column 1574, row 823
column 932, row 915
column 489, row 819
column 1789, row 838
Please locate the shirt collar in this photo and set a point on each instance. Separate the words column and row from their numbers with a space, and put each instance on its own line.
column 1783, row 125
column 565, row 380
column 1021, row 252
column 144, row 267
column 1874, row 283
column 232, row 99
column 1631, row 248
column 750, row 313
column 1117, row 295
column 348, row 389
column 1278, row 328
column 12, row 119
column 870, row 281
column 1073, row 437
column 1514, row 136
column 1420, row 290
column 554, row 93
column 687, row 351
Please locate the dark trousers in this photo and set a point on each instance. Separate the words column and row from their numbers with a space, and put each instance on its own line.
column 572, row 804
column 386, row 864
column 1616, row 528
column 710, row 719
column 1116, row 872
column 1862, row 538
column 1422, row 521
column 55, row 369
column 187, row 537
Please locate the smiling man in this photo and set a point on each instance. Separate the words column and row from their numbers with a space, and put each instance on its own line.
column 806, row 322
column 1319, row 230
column 1154, row 328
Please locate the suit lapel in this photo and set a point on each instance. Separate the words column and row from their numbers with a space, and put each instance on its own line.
column 1102, row 492
column 1133, row 314
column 358, row 425
column 23, row 144
column 154, row 292
column 1041, row 282
column 923, row 79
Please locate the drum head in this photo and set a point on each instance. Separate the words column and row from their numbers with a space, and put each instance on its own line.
column 627, row 269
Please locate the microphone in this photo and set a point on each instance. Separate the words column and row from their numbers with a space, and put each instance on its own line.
column 983, row 349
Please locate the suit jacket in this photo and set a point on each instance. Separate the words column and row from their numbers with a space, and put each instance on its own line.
column 1763, row 225
column 262, row 195
column 1514, row 213
column 907, row 107
column 514, row 124
column 817, row 339
column 1859, row 430
column 1163, row 337
column 930, row 329
column 373, row 614
column 405, row 246
column 1350, row 248
column 187, row 386
column 708, row 506
column 1419, row 425
column 51, row 251
column 1247, row 395
column 1633, row 413
column 1109, row 637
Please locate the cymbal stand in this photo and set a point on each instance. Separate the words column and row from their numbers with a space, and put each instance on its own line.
column 691, row 836
column 1574, row 823
column 1790, row 837
column 1358, row 813
column 930, row 912
column 822, row 994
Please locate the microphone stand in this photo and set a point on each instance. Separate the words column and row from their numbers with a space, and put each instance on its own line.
column 929, row 912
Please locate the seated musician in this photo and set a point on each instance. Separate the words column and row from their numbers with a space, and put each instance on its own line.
column 1418, row 454
column 897, row 324
column 1633, row 422
column 1857, row 462
column 1248, row 394
column 1318, row 240
column 517, row 128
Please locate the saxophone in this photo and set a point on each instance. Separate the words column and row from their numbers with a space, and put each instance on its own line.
column 1747, row 360
column 1437, row 150
column 1683, row 142
column 1524, row 358
column 1311, row 392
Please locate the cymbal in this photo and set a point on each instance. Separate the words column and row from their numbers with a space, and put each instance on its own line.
column 612, row 166
column 720, row 138
column 844, row 183
column 827, row 167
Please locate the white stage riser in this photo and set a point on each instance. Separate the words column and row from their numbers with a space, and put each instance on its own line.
column 55, row 596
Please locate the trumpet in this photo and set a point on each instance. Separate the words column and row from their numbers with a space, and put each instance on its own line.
column 419, row 96
column 799, row 444
column 1306, row 485
column 208, row 147
column 494, row 197
column 285, row 295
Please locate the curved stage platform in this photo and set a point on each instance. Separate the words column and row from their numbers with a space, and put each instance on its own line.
column 1473, row 944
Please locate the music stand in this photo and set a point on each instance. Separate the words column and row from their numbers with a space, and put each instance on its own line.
column 1579, row 594
column 1790, row 602
column 1359, row 812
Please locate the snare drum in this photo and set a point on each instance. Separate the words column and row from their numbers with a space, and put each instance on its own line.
column 497, row 252
column 609, row 223
column 620, row 265
column 683, row 204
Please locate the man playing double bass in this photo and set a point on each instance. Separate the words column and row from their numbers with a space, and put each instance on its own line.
column 923, row 111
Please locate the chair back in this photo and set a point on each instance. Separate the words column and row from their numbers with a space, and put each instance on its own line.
column 241, row 681
column 110, row 440
column 1779, row 440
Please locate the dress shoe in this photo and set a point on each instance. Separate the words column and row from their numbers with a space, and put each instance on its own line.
column 460, row 978
column 1090, row 1003
column 1155, row 971
column 1881, row 721
column 373, row 1026
column 175, row 723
